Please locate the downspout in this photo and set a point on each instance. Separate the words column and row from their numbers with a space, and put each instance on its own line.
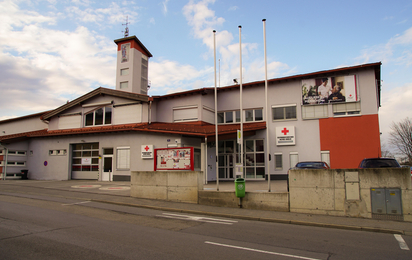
column 150, row 110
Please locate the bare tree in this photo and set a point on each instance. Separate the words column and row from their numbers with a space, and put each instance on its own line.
column 401, row 137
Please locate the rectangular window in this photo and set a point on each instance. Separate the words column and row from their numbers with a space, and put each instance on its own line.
column 314, row 111
column 181, row 114
column 124, row 72
column 254, row 160
column 252, row 115
column 11, row 152
column 278, row 161
column 325, row 157
column 220, row 117
column 124, row 85
column 287, row 112
column 123, row 158
column 293, row 159
column 349, row 108
column 11, row 163
column 100, row 116
column 229, row 117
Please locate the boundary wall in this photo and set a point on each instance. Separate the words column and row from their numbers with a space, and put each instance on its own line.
column 178, row 186
column 346, row 192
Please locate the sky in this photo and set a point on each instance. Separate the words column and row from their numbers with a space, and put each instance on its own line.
column 53, row 51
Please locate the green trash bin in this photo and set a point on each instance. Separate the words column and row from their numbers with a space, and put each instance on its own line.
column 240, row 187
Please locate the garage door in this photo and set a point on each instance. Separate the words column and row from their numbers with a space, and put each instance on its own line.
column 85, row 161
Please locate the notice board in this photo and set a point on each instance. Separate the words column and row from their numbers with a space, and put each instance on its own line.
column 181, row 158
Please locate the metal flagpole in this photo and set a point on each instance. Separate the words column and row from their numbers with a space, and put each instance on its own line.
column 268, row 155
column 216, row 128
column 241, row 102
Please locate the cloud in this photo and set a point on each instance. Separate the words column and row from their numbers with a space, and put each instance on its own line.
column 164, row 6
column 393, row 51
column 51, row 66
column 396, row 106
column 203, row 21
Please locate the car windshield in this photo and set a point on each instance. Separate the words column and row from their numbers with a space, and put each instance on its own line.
column 310, row 165
column 380, row 163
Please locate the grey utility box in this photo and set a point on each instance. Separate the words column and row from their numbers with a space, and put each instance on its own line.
column 386, row 201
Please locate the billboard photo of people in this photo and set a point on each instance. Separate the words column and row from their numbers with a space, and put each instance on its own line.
column 329, row 90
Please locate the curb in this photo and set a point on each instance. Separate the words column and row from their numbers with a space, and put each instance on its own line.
column 273, row 220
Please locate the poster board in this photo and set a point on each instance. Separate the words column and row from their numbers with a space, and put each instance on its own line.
column 174, row 159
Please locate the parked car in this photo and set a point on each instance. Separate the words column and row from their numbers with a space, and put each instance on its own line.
column 311, row 165
column 378, row 163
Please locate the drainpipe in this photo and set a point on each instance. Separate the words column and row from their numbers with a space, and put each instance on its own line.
column 150, row 110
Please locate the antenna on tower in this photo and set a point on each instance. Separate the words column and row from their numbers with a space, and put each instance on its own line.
column 126, row 31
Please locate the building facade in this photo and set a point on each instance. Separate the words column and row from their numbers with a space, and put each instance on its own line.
column 328, row 115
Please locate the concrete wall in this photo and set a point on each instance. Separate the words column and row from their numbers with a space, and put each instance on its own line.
column 253, row 200
column 346, row 192
column 179, row 186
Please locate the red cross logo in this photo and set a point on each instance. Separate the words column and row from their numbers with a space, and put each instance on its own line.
column 285, row 131
column 147, row 148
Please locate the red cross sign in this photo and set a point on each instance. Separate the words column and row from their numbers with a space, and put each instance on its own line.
column 285, row 131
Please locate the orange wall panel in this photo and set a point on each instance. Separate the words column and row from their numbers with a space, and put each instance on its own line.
column 350, row 139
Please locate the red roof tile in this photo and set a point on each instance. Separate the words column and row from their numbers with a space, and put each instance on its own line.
column 199, row 129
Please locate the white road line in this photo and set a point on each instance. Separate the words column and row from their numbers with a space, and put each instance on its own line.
column 260, row 251
column 200, row 219
column 401, row 242
column 75, row 203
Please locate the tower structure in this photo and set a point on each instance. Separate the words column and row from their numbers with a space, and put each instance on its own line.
column 132, row 65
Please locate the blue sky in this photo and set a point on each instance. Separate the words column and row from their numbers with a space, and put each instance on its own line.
column 52, row 51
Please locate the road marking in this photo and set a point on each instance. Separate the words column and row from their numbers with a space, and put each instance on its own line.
column 401, row 242
column 115, row 188
column 86, row 186
column 83, row 202
column 201, row 219
column 260, row 251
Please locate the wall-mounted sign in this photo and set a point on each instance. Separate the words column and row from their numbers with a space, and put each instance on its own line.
column 181, row 158
column 86, row 161
column 285, row 135
column 147, row 151
column 329, row 90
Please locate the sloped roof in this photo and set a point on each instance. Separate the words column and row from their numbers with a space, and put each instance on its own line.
column 96, row 92
column 324, row 73
column 187, row 129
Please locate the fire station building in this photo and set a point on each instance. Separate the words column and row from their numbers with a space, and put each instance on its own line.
column 329, row 115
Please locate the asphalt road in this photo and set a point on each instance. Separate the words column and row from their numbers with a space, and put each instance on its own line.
column 48, row 226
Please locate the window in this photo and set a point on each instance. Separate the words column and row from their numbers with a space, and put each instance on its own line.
column 325, row 157
column 124, row 85
column 350, row 108
column 228, row 117
column 314, row 111
column 123, row 158
column 58, row 152
column 21, row 153
column 287, row 112
column 293, row 159
column 253, row 115
column 278, row 161
column 188, row 113
column 124, row 72
column 11, row 163
column 100, row 116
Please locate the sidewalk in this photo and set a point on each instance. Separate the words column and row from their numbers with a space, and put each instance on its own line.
column 119, row 193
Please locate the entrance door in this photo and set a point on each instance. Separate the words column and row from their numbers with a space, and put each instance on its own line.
column 107, row 174
column 226, row 166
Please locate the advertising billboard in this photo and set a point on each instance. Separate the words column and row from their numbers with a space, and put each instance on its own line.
column 181, row 158
column 329, row 90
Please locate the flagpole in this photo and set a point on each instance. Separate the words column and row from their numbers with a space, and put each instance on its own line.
column 216, row 128
column 268, row 155
column 241, row 103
